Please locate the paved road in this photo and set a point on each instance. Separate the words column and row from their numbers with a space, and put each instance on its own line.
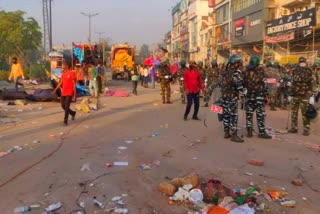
column 49, row 171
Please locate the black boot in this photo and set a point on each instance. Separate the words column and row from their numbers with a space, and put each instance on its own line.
column 227, row 134
column 306, row 133
column 206, row 105
column 293, row 130
column 250, row 131
column 265, row 136
column 235, row 138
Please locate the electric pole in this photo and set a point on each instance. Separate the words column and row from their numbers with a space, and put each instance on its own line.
column 90, row 15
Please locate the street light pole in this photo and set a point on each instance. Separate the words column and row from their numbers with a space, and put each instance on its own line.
column 90, row 15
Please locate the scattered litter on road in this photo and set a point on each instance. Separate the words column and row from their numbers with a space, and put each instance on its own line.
column 21, row 210
column 120, row 202
column 122, row 148
column 91, row 185
column 119, row 163
column 195, row 158
column 52, row 136
column 53, row 207
column 121, row 210
column 244, row 209
column 256, row 162
column 155, row 134
column 156, row 163
column 304, row 198
column 124, row 195
column 196, row 196
column 128, row 141
column 297, row 182
column 145, row 167
column 82, row 204
column 288, row 204
column 248, row 173
column 108, row 165
column 85, row 167
column 97, row 203
column 116, row 198
column 36, row 141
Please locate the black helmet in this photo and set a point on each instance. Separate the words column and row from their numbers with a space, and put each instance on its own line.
column 182, row 62
column 311, row 112
column 302, row 59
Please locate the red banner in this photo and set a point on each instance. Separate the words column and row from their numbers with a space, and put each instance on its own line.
column 276, row 39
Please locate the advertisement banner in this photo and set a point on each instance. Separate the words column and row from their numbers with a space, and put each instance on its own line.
column 282, row 38
column 299, row 20
column 211, row 3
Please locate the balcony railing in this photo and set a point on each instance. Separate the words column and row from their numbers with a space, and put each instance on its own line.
column 294, row 3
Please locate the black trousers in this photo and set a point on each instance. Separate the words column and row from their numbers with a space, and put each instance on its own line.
column 135, row 86
column 192, row 98
column 65, row 104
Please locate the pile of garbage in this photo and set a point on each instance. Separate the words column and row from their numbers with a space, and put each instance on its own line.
column 87, row 105
column 212, row 197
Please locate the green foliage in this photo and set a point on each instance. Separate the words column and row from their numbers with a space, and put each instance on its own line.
column 4, row 75
column 19, row 37
column 35, row 71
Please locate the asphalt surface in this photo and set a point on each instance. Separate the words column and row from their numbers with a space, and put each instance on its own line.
column 48, row 168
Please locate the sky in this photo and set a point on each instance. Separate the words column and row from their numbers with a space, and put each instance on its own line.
column 133, row 21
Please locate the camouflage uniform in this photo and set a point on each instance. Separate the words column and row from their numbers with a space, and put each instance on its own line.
column 272, row 87
column 180, row 76
column 165, row 78
column 256, row 93
column 285, row 81
column 212, row 75
column 300, row 91
column 231, row 84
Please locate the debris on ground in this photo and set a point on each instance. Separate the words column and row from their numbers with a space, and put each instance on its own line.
column 120, row 163
column 85, row 167
column 297, row 182
column 212, row 197
column 87, row 105
column 155, row 134
column 255, row 162
column 53, row 207
column 11, row 150
column 97, row 203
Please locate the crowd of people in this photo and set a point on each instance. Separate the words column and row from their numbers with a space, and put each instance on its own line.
column 253, row 85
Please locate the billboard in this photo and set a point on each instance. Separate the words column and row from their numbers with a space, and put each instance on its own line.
column 299, row 20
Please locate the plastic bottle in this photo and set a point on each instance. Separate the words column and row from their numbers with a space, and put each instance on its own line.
column 21, row 210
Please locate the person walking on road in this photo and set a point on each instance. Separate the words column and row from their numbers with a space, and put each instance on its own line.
column 253, row 81
column 16, row 73
column 146, row 76
column 135, row 79
column 193, row 85
column 93, row 85
column 68, row 84
column 301, row 91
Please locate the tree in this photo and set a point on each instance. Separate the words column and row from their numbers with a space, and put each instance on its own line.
column 18, row 36
column 144, row 51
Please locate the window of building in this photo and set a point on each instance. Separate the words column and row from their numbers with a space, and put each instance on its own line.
column 193, row 32
column 223, row 14
column 239, row 5
column 224, row 36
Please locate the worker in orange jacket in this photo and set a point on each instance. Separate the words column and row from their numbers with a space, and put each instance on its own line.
column 16, row 73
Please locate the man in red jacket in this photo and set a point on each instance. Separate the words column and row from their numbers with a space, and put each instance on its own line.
column 192, row 85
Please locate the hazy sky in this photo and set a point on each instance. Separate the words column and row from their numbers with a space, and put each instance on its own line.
column 133, row 21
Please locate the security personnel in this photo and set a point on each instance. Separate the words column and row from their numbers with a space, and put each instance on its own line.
column 165, row 78
column 253, row 81
column 180, row 76
column 300, row 91
column 272, row 72
column 212, row 75
column 231, row 85
column 285, row 83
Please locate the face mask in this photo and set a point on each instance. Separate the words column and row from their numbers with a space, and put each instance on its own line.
column 302, row 64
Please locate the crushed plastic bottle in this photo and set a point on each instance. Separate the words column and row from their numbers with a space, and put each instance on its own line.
column 54, row 207
column 21, row 210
